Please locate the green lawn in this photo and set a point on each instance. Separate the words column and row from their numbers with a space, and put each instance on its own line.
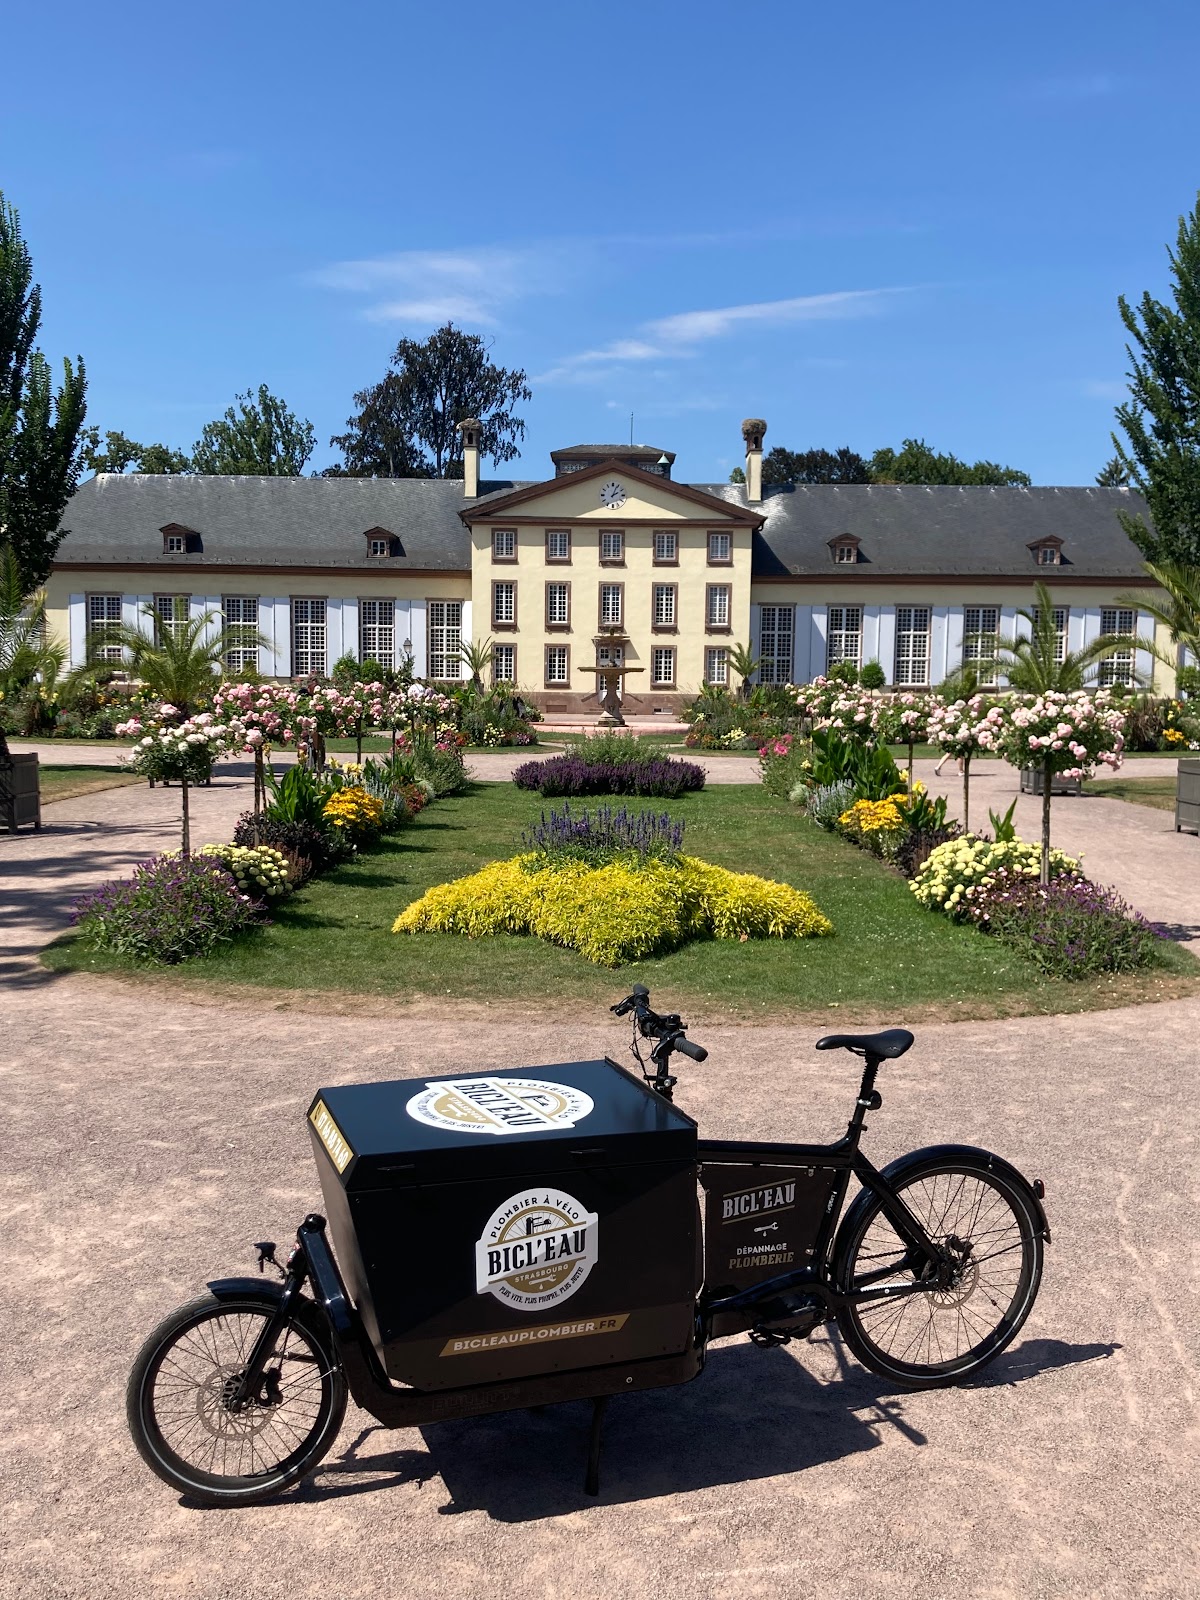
column 1156, row 792
column 64, row 783
column 889, row 958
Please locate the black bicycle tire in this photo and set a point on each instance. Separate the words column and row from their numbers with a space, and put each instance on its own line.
column 913, row 1375
column 215, row 1490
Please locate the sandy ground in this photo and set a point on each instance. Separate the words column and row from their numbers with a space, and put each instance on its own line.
column 147, row 1143
column 145, row 1149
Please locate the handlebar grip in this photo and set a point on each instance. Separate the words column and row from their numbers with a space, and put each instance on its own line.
column 687, row 1048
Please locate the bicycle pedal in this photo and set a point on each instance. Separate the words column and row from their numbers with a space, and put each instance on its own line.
column 769, row 1338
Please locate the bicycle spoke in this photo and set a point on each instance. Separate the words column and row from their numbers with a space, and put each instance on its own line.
column 969, row 1303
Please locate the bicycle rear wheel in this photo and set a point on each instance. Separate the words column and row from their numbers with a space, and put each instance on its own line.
column 992, row 1239
column 183, row 1428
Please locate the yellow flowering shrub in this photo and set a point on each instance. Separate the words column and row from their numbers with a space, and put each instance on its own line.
column 740, row 905
column 876, row 825
column 354, row 811
column 617, row 912
column 955, row 872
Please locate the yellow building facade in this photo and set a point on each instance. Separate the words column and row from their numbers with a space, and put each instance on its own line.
column 609, row 561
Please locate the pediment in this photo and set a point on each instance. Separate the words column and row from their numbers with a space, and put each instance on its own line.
column 647, row 498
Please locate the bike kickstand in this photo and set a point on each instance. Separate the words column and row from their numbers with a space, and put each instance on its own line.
column 591, row 1483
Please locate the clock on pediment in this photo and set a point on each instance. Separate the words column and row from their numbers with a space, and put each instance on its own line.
column 612, row 494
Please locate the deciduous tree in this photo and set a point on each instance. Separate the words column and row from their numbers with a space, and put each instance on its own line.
column 118, row 453
column 917, row 462
column 814, row 466
column 258, row 436
column 407, row 424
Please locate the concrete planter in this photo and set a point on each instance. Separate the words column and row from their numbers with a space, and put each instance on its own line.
column 20, row 793
column 1031, row 782
column 1187, row 797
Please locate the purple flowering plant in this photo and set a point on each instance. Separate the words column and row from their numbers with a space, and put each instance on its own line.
column 605, row 835
column 1070, row 927
column 577, row 775
column 171, row 909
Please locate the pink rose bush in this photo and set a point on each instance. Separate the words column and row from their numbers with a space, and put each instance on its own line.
column 1067, row 734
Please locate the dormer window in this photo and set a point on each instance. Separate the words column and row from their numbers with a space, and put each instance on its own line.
column 1047, row 552
column 844, row 549
column 381, row 543
column 179, row 540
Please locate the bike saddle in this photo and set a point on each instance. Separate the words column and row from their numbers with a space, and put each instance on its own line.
column 883, row 1046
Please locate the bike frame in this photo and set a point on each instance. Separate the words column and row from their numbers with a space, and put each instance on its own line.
column 312, row 1262
column 844, row 1156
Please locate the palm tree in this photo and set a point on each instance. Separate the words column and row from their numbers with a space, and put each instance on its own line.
column 1178, row 611
column 1033, row 665
column 26, row 654
column 962, row 683
column 477, row 658
column 742, row 661
column 1038, row 662
column 178, row 658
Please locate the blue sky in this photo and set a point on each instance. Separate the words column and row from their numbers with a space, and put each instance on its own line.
column 860, row 222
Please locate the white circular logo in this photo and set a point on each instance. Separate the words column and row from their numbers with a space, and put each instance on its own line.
column 536, row 1250
column 499, row 1105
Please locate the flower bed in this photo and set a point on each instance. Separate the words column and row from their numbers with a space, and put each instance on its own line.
column 1071, row 928
column 618, row 912
column 956, row 872
column 260, row 871
column 172, row 908
column 577, row 775
column 615, row 886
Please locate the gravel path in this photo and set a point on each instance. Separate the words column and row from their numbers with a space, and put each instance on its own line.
column 148, row 1141
column 150, row 1136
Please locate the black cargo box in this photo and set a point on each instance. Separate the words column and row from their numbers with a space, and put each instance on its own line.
column 527, row 1221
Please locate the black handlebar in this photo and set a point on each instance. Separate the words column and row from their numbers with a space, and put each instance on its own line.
column 668, row 1031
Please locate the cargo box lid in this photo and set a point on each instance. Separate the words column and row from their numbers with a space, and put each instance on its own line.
column 521, row 1120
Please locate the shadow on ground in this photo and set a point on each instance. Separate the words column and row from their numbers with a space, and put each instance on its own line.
column 751, row 1414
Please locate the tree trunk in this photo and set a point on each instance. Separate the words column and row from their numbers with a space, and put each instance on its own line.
column 260, row 788
column 1046, row 777
column 967, row 792
column 187, row 828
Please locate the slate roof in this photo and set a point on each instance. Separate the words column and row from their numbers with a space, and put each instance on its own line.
column 321, row 522
column 907, row 529
column 286, row 522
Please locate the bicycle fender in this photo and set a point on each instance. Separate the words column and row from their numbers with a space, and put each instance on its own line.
column 270, row 1294
column 905, row 1164
column 245, row 1288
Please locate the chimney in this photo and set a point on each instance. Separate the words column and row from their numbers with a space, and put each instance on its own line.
column 469, row 428
column 753, row 430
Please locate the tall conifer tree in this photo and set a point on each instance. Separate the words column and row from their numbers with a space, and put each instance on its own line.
column 39, row 425
column 1161, row 419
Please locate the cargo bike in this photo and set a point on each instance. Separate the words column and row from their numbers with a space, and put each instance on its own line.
column 527, row 1236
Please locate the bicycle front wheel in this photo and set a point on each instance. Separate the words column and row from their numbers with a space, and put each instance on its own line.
column 991, row 1239
column 177, row 1401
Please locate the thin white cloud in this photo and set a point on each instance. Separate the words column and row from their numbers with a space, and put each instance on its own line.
column 690, row 327
column 678, row 335
column 1104, row 389
column 427, row 287
column 1075, row 86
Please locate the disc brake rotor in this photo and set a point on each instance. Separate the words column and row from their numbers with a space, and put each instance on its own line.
column 214, row 1414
